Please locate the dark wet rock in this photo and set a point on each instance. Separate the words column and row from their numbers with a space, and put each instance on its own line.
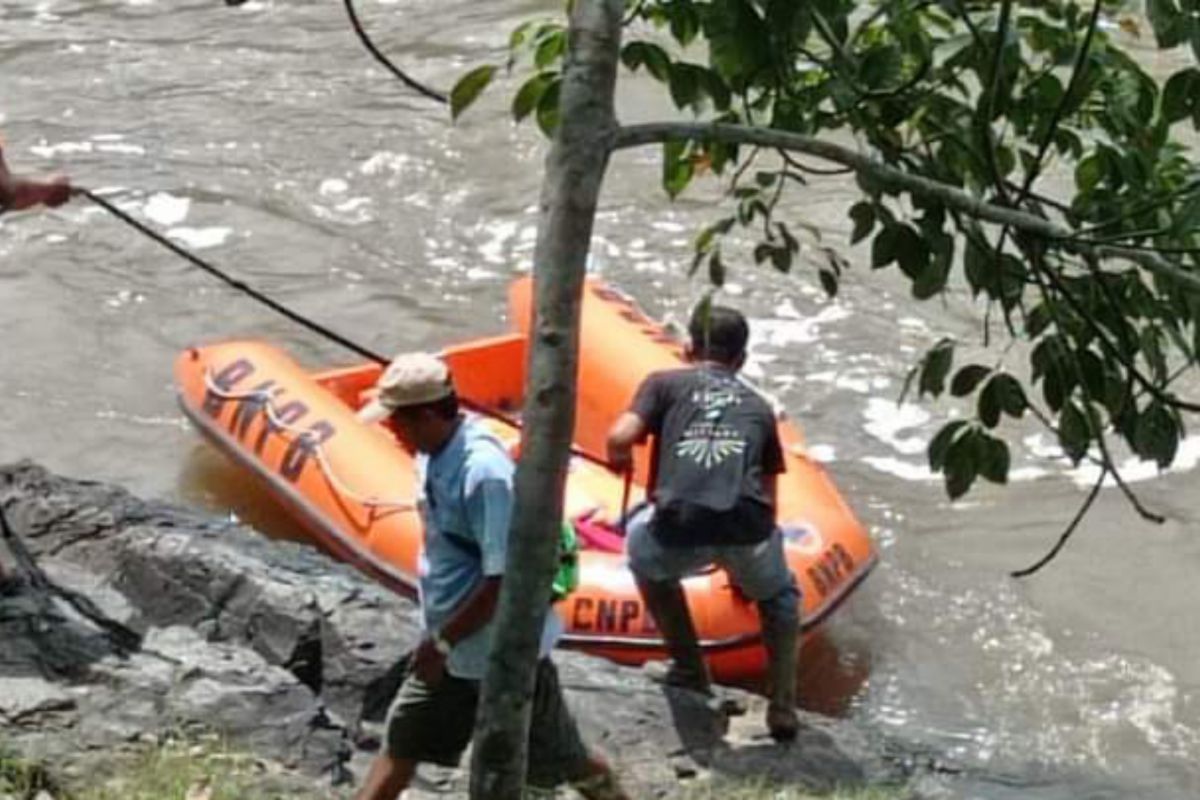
column 124, row 620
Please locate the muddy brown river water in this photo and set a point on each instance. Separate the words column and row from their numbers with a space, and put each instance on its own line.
column 264, row 138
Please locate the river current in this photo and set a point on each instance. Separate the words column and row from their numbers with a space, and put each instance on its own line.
column 264, row 138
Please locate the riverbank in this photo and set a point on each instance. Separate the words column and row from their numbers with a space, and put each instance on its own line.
column 177, row 770
column 132, row 624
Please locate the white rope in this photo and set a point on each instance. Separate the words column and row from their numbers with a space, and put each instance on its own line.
column 264, row 398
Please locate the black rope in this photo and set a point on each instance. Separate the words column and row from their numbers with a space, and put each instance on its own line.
column 432, row 94
column 241, row 286
column 275, row 305
column 124, row 639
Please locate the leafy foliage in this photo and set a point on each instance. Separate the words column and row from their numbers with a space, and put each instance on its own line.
column 980, row 95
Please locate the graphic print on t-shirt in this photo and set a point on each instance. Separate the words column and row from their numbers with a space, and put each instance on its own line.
column 708, row 440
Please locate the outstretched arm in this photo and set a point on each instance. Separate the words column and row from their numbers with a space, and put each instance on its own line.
column 18, row 193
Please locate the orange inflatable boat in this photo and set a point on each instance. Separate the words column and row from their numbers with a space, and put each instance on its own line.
column 351, row 485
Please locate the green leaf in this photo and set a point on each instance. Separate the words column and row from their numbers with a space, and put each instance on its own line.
column 993, row 458
column 1012, row 277
column 1156, row 436
column 961, row 464
column 716, row 268
column 704, row 242
column 717, row 90
column 829, row 282
column 881, row 67
column 1169, row 23
column 1181, row 95
column 1010, row 394
column 1089, row 173
column 1047, row 356
column 1152, row 351
column 468, row 89
column 548, row 113
column 936, row 366
column 739, row 44
column 653, row 57
column 1037, row 320
column 989, row 404
column 1055, row 388
column 979, row 264
column 794, row 246
column 685, row 84
column 677, row 167
column 530, row 93
column 519, row 34
column 933, row 275
column 550, row 49
column 1093, row 371
column 912, row 253
column 940, row 443
column 863, row 215
column 1074, row 432
column 685, row 22
column 967, row 378
column 883, row 247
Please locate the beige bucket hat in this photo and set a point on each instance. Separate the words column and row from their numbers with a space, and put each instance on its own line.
column 412, row 379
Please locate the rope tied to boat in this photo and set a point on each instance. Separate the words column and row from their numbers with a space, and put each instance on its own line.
column 228, row 279
column 263, row 399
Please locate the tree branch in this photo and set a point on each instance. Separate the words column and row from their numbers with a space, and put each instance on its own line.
column 1062, row 540
column 417, row 86
column 1102, row 337
column 802, row 167
column 985, row 124
column 1154, row 205
column 1077, row 74
column 949, row 196
column 1044, row 146
column 633, row 14
column 1039, row 268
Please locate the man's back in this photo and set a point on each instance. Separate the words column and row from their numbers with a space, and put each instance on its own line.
column 715, row 447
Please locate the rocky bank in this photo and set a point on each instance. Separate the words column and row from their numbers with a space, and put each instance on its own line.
column 124, row 620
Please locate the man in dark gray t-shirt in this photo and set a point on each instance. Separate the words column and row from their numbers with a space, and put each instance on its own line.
column 716, row 455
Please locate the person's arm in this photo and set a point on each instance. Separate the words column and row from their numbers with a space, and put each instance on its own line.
column 17, row 194
column 643, row 417
column 773, row 463
column 429, row 660
column 771, row 486
column 489, row 510
column 628, row 430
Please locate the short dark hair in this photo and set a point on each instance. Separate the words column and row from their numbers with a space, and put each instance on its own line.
column 446, row 407
column 718, row 333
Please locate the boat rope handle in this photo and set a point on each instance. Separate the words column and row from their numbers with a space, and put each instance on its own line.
column 316, row 447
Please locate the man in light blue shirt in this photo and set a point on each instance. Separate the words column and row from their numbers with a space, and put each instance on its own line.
column 465, row 495
column 466, row 505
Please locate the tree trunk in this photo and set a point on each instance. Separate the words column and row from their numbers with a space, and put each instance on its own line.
column 574, row 172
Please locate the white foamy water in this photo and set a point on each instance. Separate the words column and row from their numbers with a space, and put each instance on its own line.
column 201, row 238
column 166, row 209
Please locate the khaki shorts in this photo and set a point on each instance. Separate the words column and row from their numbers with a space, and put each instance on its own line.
column 434, row 725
